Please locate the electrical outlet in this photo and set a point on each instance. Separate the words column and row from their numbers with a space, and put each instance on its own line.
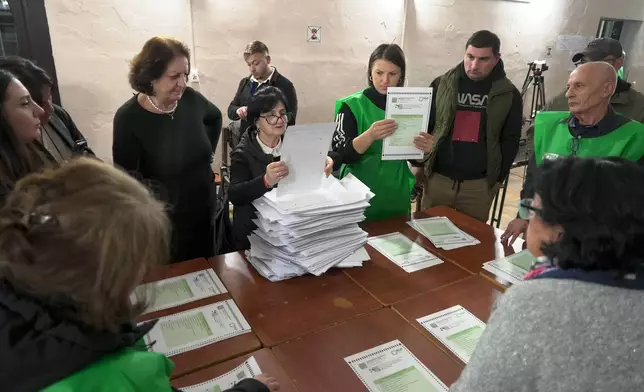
column 548, row 52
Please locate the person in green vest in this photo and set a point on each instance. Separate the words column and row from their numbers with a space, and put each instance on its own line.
column 591, row 128
column 74, row 244
column 361, row 126
column 476, row 121
column 626, row 100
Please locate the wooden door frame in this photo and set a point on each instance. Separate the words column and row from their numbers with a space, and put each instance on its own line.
column 34, row 41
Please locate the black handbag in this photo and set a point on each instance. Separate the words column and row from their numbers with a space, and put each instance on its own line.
column 222, row 227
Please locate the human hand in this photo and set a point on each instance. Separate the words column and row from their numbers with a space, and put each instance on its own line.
column 242, row 112
column 269, row 381
column 515, row 228
column 383, row 128
column 424, row 142
column 276, row 172
column 328, row 166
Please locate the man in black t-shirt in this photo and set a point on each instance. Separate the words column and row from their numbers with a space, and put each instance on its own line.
column 476, row 119
column 257, row 58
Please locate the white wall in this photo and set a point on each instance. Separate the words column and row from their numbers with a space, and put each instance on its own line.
column 93, row 40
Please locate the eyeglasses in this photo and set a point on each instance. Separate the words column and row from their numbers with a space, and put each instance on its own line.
column 526, row 210
column 272, row 119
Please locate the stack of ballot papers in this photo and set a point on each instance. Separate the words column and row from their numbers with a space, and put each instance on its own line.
column 310, row 232
column 443, row 233
column 512, row 268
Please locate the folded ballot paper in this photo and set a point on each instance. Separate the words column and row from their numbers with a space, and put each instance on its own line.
column 310, row 232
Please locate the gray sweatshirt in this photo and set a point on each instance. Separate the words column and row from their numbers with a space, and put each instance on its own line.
column 551, row 335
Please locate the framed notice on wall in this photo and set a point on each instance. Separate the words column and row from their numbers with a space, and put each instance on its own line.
column 314, row 34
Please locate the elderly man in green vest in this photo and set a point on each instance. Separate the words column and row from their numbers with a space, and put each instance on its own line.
column 476, row 121
column 626, row 100
column 591, row 128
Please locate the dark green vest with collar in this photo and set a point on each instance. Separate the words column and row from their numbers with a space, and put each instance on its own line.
column 498, row 107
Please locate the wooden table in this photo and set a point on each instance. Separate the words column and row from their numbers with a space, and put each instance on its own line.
column 316, row 363
column 500, row 252
column 470, row 257
column 208, row 355
column 474, row 294
column 280, row 311
column 388, row 282
column 265, row 359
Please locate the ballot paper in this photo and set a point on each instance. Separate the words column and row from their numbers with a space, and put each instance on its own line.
column 304, row 151
column 391, row 367
column 410, row 107
column 404, row 252
column 310, row 232
column 196, row 328
column 443, row 233
column 512, row 268
column 248, row 369
column 168, row 293
column 457, row 328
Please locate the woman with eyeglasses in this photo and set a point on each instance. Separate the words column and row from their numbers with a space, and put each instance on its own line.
column 165, row 135
column 255, row 166
column 574, row 324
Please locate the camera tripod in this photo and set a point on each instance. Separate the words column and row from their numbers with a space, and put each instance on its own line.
column 534, row 78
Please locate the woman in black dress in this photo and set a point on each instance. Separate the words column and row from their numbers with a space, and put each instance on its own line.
column 166, row 135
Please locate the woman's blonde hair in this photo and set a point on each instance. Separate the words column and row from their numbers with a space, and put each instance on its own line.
column 82, row 237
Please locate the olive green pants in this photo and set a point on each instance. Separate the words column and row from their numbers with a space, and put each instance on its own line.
column 471, row 197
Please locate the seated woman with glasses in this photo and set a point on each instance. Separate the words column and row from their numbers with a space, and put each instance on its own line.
column 255, row 166
column 574, row 325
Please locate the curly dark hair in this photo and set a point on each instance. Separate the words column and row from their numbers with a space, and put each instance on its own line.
column 151, row 62
column 264, row 100
column 598, row 204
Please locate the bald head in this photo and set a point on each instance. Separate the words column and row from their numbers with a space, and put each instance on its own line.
column 590, row 87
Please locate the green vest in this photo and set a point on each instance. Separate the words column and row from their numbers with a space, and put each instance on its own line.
column 552, row 139
column 130, row 370
column 499, row 105
column 390, row 181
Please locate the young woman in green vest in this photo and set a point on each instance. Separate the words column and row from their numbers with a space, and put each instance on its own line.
column 357, row 142
column 74, row 243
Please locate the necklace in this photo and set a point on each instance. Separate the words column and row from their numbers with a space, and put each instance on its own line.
column 168, row 112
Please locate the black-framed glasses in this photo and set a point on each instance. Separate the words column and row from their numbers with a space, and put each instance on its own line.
column 526, row 210
column 272, row 119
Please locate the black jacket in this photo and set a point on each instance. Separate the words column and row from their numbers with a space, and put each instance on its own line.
column 64, row 126
column 247, row 169
column 39, row 346
column 243, row 95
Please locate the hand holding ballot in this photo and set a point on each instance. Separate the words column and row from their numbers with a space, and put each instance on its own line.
column 270, row 382
column 328, row 166
column 382, row 129
column 275, row 172
column 424, row 142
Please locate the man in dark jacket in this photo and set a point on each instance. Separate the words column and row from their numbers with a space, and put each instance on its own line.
column 261, row 72
column 589, row 128
column 626, row 100
column 476, row 121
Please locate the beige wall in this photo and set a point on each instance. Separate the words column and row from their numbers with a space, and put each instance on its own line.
column 93, row 40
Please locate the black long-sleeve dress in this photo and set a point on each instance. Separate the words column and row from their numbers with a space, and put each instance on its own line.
column 172, row 155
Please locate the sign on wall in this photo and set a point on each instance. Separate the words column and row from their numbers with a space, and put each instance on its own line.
column 314, row 34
